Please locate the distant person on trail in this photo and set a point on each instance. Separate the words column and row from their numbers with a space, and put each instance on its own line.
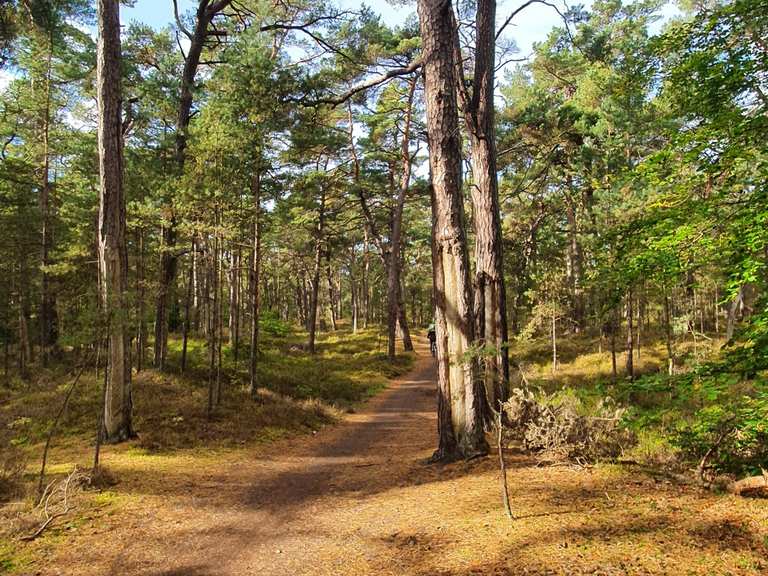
column 432, row 335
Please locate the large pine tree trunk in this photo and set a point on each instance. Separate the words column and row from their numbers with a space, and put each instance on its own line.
column 113, row 256
column 457, row 374
column 490, row 290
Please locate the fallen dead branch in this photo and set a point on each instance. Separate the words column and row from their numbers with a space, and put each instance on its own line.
column 562, row 429
column 502, row 464
column 56, row 500
column 52, row 431
column 752, row 486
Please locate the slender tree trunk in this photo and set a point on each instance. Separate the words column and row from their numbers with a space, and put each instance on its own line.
column 716, row 310
column 320, row 229
column 395, row 308
column 614, row 329
column 113, row 255
column 733, row 309
column 253, row 356
column 630, row 336
column 365, row 298
column 234, row 299
column 554, row 343
column 206, row 11
column 219, row 315
column 187, row 311
column 47, row 320
column 458, row 385
column 575, row 265
column 353, row 289
column 168, row 265
column 402, row 321
column 668, row 335
column 331, row 291
column 141, row 304
column 639, row 326
column 213, row 322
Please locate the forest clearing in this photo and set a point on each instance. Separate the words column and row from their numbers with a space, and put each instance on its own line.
column 439, row 287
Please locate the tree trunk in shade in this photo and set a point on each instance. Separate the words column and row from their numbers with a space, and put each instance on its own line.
column 113, row 256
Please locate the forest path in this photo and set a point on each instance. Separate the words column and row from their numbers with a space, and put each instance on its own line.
column 358, row 498
column 332, row 503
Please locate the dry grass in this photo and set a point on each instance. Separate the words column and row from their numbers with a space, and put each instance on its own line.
column 585, row 360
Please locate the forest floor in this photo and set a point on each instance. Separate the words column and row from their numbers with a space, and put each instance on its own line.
column 359, row 498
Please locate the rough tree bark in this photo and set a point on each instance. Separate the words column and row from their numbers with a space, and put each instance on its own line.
column 479, row 117
column 461, row 397
column 113, row 256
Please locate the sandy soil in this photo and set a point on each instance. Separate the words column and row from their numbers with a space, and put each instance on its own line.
column 358, row 498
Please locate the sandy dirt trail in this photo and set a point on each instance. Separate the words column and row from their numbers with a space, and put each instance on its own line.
column 325, row 504
column 358, row 498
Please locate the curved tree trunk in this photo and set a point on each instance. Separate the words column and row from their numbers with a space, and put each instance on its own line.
column 206, row 11
column 395, row 305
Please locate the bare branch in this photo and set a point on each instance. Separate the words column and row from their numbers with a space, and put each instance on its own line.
column 179, row 23
column 372, row 82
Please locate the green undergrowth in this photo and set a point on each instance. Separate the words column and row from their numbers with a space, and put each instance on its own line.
column 716, row 403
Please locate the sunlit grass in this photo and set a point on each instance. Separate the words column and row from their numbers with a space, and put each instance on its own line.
column 298, row 393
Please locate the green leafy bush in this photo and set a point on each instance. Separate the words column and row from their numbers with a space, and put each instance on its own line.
column 272, row 325
column 733, row 436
